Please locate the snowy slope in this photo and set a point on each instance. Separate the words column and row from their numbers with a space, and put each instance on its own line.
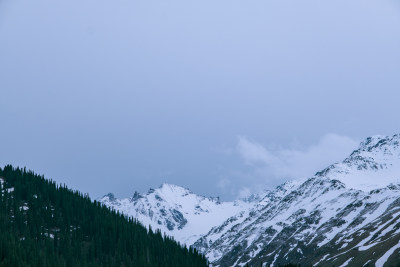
column 176, row 211
column 375, row 164
column 347, row 214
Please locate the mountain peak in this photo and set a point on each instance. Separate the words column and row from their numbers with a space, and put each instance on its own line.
column 110, row 196
column 375, row 164
column 171, row 189
column 335, row 208
column 176, row 210
column 167, row 186
column 136, row 196
column 379, row 142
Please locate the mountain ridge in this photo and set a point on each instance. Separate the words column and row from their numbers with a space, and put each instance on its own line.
column 176, row 210
column 340, row 215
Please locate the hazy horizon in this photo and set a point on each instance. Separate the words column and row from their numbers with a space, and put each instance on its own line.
column 222, row 97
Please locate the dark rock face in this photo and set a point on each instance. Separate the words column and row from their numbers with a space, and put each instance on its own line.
column 136, row 196
column 110, row 196
column 179, row 218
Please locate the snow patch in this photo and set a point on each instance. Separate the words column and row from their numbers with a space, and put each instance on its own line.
column 381, row 261
column 346, row 262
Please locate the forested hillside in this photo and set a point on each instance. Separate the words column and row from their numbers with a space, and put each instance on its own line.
column 44, row 224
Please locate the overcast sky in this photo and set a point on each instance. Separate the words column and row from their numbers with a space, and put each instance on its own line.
column 221, row 96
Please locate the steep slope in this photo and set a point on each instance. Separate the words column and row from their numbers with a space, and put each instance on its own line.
column 176, row 211
column 375, row 164
column 345, row 215
column 43, row 224
column 348, row 214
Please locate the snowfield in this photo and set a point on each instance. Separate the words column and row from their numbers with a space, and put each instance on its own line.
column 347, row 214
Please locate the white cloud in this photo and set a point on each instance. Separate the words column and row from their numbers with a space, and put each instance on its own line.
column 286, row 163
column 260, row 167
column 253, row 152
column 244, row 192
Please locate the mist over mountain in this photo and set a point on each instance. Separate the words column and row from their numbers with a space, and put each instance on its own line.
column 137, row 93
column 347, row 214
column 193, row 133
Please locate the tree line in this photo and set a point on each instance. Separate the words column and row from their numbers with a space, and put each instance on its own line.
column 43, row 223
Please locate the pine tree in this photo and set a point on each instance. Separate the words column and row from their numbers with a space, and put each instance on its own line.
column 44, row 224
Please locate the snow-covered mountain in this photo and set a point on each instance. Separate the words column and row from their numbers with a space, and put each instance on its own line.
column 348, row 213
column 176, row 211
column 375, row 164
column 345, row 215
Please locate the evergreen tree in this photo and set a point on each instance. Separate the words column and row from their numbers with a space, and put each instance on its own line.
column 45, row 224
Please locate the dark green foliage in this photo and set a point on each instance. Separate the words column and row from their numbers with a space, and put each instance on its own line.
column 44, row 224
column 279, row 265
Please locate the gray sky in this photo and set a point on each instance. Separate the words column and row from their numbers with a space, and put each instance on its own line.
column 223, row 97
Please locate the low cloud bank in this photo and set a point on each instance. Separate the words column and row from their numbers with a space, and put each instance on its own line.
column 265, row 168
